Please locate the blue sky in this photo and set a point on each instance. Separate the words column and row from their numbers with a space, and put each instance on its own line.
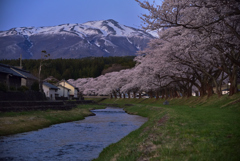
column 27, row 13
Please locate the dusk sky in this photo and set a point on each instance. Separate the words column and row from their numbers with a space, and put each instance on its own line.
column 37, row 13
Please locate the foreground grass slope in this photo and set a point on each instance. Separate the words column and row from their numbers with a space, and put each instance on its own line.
column 187, row 129
column 18, row 122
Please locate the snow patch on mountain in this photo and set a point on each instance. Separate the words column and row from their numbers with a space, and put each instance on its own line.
column 128, row 40
column 93, row 38
column 105, row 28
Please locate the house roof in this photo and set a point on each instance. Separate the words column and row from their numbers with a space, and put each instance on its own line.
column 67, row 82
column 7, row 70
column 63, row 87
column 24, row 73
column 225, row 90
column 50, row 86
column 51, row 78
column 16, row 71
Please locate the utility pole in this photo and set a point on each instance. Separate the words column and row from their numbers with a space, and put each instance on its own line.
column 20, row 61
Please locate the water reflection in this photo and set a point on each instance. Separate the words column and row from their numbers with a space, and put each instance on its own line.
column 79, row 140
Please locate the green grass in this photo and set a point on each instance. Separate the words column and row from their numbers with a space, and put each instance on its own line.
column 187, row 129
column 18, row 122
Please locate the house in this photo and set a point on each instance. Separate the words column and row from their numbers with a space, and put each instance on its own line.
column 51, row 79
column 225, row 91
column 9, row 77
column 63, row 91
column 15, row 77
column 27, row 78
column 73, row 93
column 50, row 90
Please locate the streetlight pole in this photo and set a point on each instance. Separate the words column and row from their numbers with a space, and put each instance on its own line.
column 229, row 84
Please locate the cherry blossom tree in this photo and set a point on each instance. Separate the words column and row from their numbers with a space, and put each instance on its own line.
column 198, row 49
column 215, row 22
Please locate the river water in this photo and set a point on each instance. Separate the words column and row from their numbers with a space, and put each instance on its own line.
column 79, row 140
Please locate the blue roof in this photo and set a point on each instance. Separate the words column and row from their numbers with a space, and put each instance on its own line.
column 50, row 85
column 16, row 71
column 24, row 73
column 7, row 70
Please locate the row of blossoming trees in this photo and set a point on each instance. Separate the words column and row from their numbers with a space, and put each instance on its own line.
column 198, row 49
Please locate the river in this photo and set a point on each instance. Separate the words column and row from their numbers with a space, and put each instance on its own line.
column 79, row 140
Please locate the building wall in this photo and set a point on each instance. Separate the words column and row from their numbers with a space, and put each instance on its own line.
column 50, row 93
column 62, row 92
column 13, row 80
column 73, row 91
column 23, row 82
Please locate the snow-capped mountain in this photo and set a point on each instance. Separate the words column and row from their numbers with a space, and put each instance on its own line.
column 94, row 38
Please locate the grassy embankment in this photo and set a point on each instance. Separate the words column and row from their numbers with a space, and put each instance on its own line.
column 18, row 122
column 187, row 129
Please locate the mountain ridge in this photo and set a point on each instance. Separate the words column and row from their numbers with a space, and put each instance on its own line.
column 93, row 38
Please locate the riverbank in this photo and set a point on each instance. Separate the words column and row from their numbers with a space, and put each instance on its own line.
column 18, row 122
column 18, row 106
column 186, row 129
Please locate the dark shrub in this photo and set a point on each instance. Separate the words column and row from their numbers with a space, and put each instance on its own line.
column 35, row 86
column 3, row 87
column 12, row 88
column 23, row 88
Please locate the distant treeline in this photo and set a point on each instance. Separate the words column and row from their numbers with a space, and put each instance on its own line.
column 73, row 68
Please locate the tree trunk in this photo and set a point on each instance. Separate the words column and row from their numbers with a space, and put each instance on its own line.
column 171, row 92
column 129, row 96
column 233, row 85
column 166, row 93
column 39, row 78
column 157, row 95
column 134, row 94
column 163, row 93
column 150, row 94
column 178, row 94
column 140, row 95
column 115, row 95
column 233, row 80
column 196, row 92
column 210, row 90
column 120, row 94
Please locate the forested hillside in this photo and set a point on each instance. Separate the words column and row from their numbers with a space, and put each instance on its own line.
column 72, row 68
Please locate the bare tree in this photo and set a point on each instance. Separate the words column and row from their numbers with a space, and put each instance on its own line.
column 44, row 56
